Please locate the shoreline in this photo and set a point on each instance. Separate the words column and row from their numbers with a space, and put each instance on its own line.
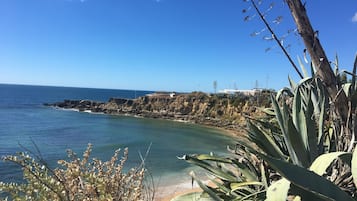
column 123, row 107
column 225, row 130
column 167, row 193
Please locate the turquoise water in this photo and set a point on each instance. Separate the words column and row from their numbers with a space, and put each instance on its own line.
column 24, row 119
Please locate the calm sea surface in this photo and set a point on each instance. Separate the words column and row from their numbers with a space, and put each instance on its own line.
column 24, row 119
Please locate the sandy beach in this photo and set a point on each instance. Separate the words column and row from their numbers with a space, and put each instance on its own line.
column 167, row 193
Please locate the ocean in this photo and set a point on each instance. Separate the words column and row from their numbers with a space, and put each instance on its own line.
column 25, row 121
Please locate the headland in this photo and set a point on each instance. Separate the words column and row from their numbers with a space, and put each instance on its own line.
column 226, row 111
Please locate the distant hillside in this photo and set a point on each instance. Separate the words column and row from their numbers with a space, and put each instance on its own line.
column 220, row 110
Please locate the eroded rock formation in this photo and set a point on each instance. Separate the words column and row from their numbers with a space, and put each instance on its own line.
column 216, row 110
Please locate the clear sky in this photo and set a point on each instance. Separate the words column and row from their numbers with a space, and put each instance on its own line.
column 172, row 45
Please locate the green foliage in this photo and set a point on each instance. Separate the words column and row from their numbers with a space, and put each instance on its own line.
column 310, row 185
column 301, row 150
column 77, row 179
column 236, row 178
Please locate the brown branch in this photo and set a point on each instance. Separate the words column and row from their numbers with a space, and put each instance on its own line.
column 318, row 57
column 276, row 39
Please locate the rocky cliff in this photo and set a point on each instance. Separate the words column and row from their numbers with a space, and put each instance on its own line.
column 216, row 110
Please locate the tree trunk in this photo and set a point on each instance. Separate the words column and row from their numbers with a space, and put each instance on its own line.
column 318, row 57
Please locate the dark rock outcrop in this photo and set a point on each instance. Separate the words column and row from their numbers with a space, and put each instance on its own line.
column 81, row 105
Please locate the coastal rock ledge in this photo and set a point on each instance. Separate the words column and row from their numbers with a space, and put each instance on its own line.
column 221, row 110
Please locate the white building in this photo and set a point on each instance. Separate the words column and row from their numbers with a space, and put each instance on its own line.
column 247, row 92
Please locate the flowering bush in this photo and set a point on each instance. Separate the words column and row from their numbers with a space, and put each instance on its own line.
column 77, row 179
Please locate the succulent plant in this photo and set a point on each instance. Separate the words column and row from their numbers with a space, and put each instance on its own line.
column 301, row 150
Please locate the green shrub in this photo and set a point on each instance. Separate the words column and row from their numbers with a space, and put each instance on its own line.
column 76, row 179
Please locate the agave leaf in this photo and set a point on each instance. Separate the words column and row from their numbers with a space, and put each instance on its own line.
column 306, row 195
column 321, row 126
column 295, row 143
column 246, row 172
column 264, row 176
column 317, row 97
column 264, row 141
column 293, row 140
column 354, row 166
column 245, row 191
column 307, row 180
column 297, row 110
column 259, row 195
column 282, row 91
column 205, row 188
column 298, row 115
column 267, row 125
column 321, row 113
column 239, row 185
column 284, row 129
column 292, row 83
column 316, row 100
column 305, row 80
column 322, row 162
column 222, row 187
column 218, row 172
column 278, row 114
column 278, row 191
column 311, row 134
column 213, row 158
column 302, row 66
column 304, row 123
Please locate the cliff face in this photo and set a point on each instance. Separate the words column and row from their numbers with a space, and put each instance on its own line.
column 221, row 111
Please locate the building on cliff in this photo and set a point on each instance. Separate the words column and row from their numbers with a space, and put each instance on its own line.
column 246, row 92
column 163, row 94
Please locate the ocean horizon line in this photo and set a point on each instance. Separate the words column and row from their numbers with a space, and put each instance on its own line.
column 78, row 87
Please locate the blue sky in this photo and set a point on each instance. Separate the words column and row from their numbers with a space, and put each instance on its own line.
column 173, row 45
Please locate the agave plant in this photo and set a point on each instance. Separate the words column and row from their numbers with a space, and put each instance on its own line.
column 242, row 177
column 308, row 136
column 301, row 150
